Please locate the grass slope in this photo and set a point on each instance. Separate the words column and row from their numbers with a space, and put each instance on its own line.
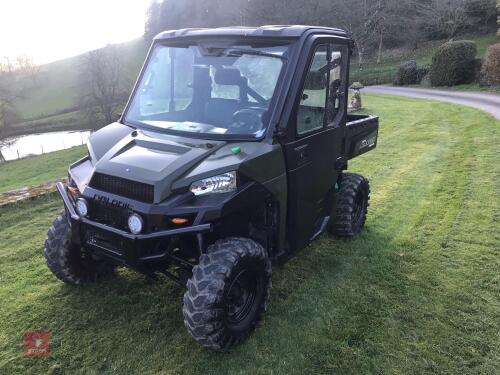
column 417, row 292
column 373, row 73
column 58, row 81
column 58, row 89
column 38, row 169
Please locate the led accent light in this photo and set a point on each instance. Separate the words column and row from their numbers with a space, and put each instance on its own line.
column 222, row 183
column 82, row 207
column 179, row 220
column 135, row 224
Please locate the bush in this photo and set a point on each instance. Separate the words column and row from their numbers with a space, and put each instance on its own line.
column 426, row 80
column 453, row 63
column 490, row 71
column 409, row 73
column 406, row 73
column 476, row 70
column 422, row 72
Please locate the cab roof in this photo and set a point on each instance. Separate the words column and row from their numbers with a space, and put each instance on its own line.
column 271, row 31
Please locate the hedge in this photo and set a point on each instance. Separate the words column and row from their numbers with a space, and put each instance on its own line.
column 453, row 63
column 409, row 73
column 490, row 71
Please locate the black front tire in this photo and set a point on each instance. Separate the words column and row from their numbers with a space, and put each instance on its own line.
column 67, row 261
column 352, row 205
column 227, row 293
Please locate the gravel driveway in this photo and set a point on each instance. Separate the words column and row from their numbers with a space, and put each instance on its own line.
column 487, row 102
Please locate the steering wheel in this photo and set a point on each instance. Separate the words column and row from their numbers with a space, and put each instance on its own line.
column 247, row 120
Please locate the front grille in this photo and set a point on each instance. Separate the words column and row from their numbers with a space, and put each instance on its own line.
column 105, row 240
column 113, row 216
column 123, row 187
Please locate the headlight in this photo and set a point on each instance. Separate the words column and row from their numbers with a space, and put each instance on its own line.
column 135, row 223
column 82, row 207
column 222, row 183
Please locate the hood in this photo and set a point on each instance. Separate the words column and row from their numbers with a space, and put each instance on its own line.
column 152, row 158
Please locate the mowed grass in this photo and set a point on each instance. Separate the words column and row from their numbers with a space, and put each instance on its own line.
column 36, row 170
column 417, row 292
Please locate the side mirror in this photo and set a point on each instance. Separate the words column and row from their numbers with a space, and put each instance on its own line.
column 279, row 133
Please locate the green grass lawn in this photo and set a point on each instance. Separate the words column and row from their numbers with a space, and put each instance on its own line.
column 38, row 169
column 383, row 72
column 417, row 292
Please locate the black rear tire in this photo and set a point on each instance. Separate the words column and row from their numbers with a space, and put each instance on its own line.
column 67, row 261
column 227, row 293
column 352, row 205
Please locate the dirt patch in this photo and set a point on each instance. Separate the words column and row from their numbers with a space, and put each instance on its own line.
column 29, row 192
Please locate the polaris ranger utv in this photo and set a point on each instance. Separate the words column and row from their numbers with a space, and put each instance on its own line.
column 229, row 157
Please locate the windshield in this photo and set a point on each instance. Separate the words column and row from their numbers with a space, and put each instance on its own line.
column 208, row 88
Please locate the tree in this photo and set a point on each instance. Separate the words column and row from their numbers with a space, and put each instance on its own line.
column 178, row 14
column 26, row 67
column 6, row 66
column 153, row 20
column 102, row 85
column 498, row 17
column 481, row 15
column 8, row 113
column 279, row 12
column 397, row 22
column 360, row 18
column 444, row 18
column 374, row 24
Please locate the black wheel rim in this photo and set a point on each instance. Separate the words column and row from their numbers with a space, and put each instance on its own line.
column 241, row 297
column 358, row 209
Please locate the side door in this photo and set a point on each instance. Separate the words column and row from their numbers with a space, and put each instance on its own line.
column 314, row 140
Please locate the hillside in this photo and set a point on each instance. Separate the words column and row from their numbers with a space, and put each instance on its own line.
column 374, row 74
column 58, row 81
column 51, row 104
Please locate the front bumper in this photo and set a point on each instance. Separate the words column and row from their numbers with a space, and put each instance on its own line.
column 124, row 247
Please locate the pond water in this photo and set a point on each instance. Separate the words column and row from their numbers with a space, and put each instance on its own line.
column 43, row 143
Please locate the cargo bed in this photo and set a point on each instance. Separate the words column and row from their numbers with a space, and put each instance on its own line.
column 361, row 134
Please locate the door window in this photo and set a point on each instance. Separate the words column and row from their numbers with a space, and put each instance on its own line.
column 311, row 110
column 336, row 86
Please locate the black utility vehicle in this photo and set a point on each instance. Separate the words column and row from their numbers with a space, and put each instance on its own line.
column 229, row 157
